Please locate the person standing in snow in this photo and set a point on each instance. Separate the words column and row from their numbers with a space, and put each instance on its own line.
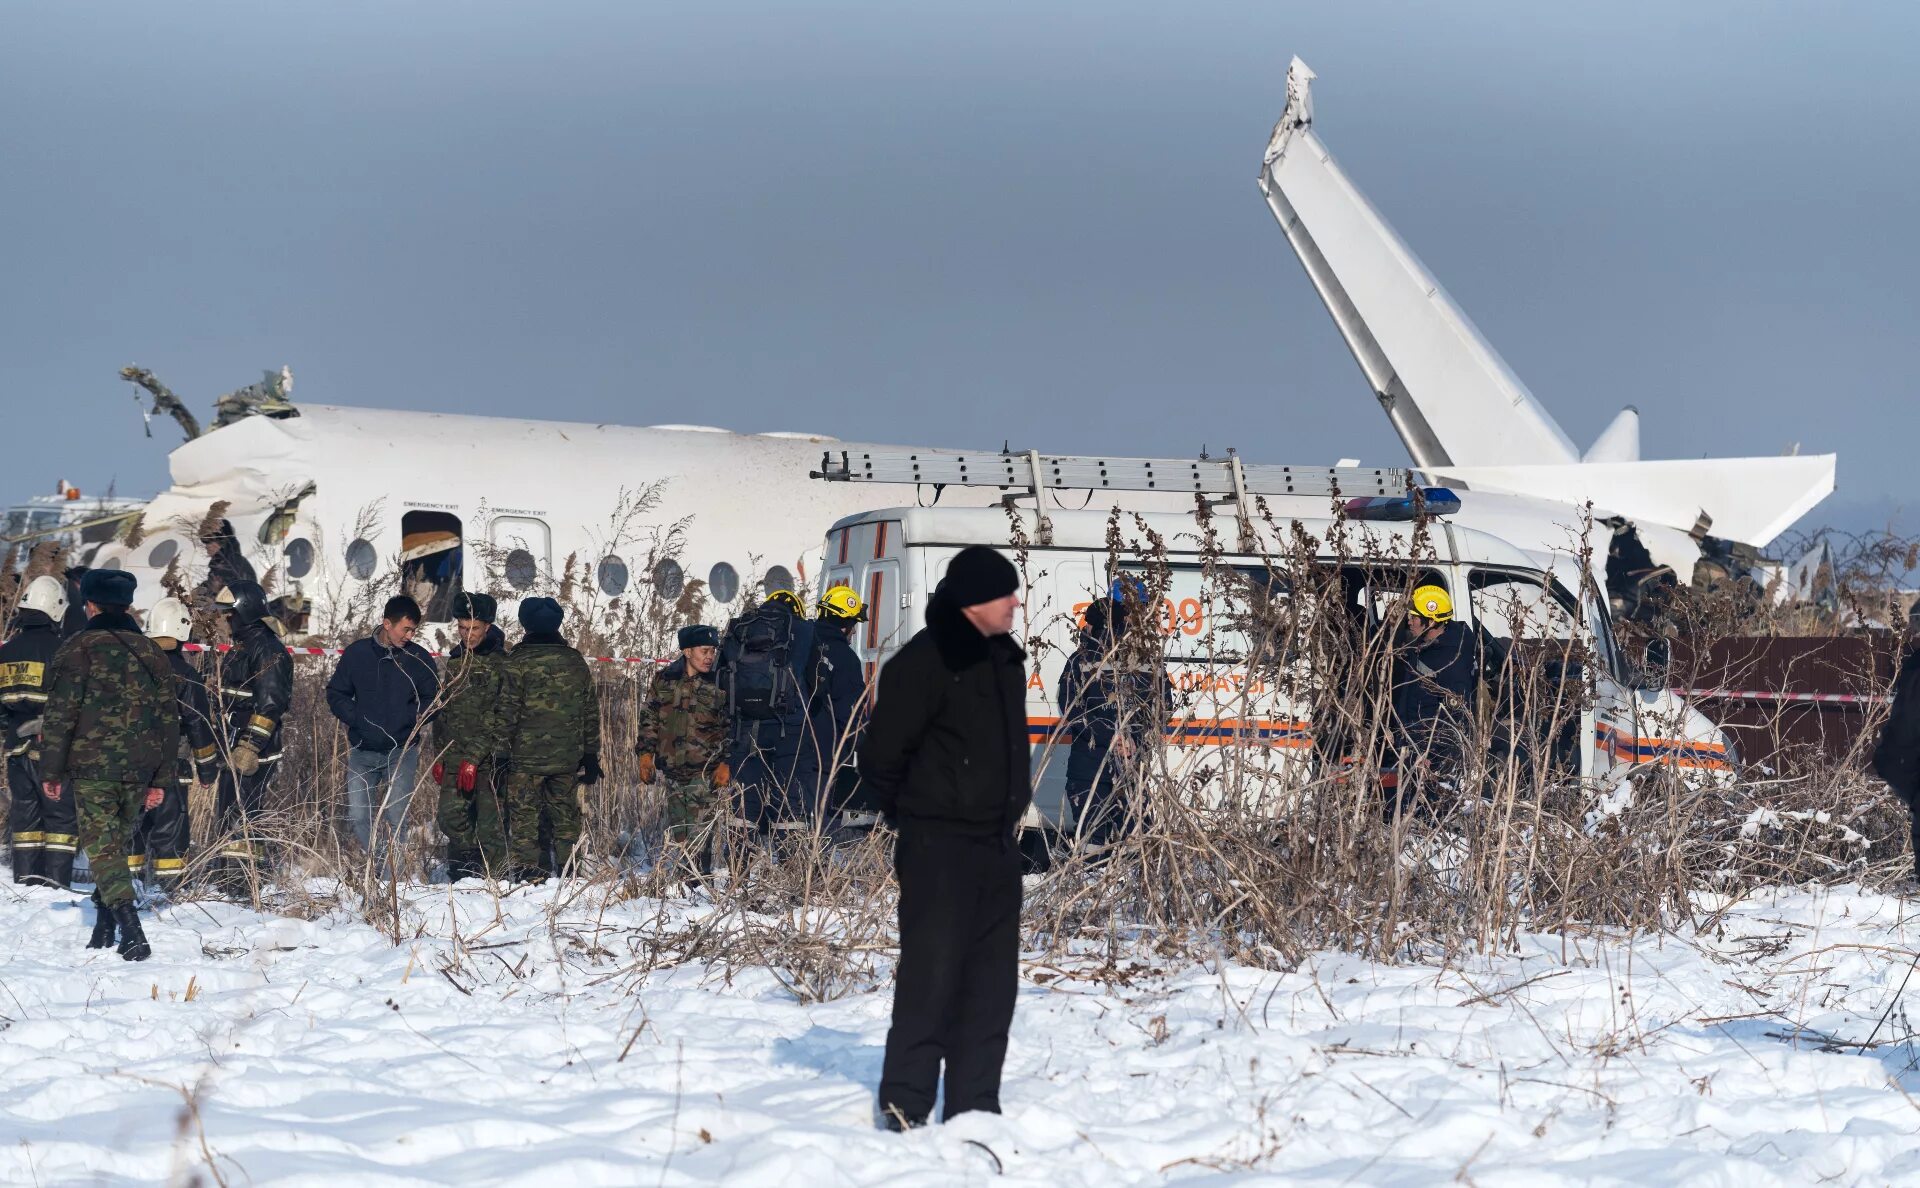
column 251, row 699
column 1112, row 707
column 160, row 849
column 44, row 833
column 382, row 691
column 683, row 739
column 946, row 756
column 1896, row 759
column 111, row 735
column 466, row 769
column 547, row 724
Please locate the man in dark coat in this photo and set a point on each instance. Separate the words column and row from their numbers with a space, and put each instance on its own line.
column 1113, row 706
column 765, row 658
column 44, row 832
column 947, row 757
column 252, row 697
column 465, row 767
column 383, row 691
column 1438, row 665
column 112, row 730
column 1896, row 758
column 838, row 685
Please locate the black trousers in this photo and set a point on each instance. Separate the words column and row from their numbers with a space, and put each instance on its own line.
column 161, row 841
column 239, row 802
column 958, row 974
column 45, row 833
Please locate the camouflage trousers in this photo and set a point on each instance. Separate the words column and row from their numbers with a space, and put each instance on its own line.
column 694, row 809
column 541, row 810
column 474, row 825
column 109, row 814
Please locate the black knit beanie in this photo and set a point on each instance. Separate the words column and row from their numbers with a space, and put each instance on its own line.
column 977, row 574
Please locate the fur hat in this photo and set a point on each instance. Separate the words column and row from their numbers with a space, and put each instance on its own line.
column 476, row 606
column 108, row 588
column 541, row 614
column 699, row 635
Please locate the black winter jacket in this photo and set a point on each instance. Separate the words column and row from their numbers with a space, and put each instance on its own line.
column 1896, row 758
column 256, row 687
column 381, row 694
column 946, row 747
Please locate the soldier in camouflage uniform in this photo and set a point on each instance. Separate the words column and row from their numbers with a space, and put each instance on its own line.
column 683, row 739
column 466, row 767
column 547, row 724
column 111, row 734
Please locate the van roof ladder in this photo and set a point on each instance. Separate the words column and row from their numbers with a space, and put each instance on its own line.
column 1031, row 473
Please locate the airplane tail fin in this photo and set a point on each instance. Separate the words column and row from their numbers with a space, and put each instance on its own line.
column 1619, row 441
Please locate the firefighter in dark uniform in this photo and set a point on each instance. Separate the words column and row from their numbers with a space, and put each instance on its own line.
column 775, row 758
column 44, row 832
column 255, row 689
column 165, row 834
column 839, row 706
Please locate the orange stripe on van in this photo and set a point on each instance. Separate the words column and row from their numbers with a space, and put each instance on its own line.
column 880, row 539
column 875, row 585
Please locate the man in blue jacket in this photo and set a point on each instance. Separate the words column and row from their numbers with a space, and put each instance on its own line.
column 383, row 691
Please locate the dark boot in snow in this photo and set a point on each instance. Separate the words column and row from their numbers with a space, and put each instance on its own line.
column 133, row 942
column 102, row 937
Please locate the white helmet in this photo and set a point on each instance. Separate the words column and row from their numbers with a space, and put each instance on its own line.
column 48, row 595
column 170, row 619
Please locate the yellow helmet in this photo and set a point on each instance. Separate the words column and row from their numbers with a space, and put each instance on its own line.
column 843, row 604
column 790, row 598
column 1432, row 602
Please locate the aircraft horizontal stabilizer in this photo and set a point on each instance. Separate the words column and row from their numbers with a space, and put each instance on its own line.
column 1619, row 441
column 1751, row 500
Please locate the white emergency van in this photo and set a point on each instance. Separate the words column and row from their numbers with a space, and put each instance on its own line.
column 895, row 558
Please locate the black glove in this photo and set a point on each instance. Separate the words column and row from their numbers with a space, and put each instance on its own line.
column 590, row 772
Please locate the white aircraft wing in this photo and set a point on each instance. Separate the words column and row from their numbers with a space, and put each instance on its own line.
column 1406, row 333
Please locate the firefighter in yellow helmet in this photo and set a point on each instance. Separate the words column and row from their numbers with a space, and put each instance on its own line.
column 1436, row 673
column 839, row 704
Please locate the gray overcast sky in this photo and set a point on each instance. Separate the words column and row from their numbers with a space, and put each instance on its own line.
column 951, row 223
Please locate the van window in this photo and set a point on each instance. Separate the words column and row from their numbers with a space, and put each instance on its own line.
column 431, row 561
column 1230, row 615
column 1516, row 606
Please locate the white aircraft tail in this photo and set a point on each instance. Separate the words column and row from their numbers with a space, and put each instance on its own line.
column 1457, row 406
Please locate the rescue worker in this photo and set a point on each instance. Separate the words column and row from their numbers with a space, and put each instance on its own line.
column 946, row 755
column 774, row 755
column 467, row 770
column 44, row 833
column 1111, row 710
column 1437, row 667
column 383, row 690
column 839, row 701
column 547, row 725
column 112, row 731
column 683, row 740
column 165, row 833
column 255, row 690
column 1896, row 758
column 227, row 566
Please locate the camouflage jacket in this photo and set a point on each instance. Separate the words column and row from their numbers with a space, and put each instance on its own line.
column 471, row 688
column 683, row 723
column 112, row 713
column 547, row 718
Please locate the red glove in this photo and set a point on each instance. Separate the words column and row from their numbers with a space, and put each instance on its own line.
column 468, row 777
column 155, row 798
column 439, row 773
column 53, row 789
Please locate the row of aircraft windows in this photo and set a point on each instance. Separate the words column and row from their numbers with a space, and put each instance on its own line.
column 522, row 570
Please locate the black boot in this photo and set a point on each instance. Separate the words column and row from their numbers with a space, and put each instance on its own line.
column 103, row 926
column 133, row 942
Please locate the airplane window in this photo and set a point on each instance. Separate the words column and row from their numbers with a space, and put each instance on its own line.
column 361, row 558
column 520, row 569
column 299, row 554
column 613, row 576
column 723, row 581
column 163, row 553
column 668, row 578
column 778, row 578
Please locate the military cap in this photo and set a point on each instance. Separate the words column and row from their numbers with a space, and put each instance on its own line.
column 699, row 635
column 108, row 587
column 476, row 606
column 541, row 614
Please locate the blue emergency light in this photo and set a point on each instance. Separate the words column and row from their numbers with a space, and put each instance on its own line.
column 1434, row 501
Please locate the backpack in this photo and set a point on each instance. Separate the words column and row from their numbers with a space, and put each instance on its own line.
column 762, row 683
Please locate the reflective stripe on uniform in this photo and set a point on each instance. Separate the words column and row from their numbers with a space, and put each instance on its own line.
column 169, row 865
column 230, row 692
column 62, row 842
column 136, row 861
column 262, row 725
column 202, row 754
column 30, row 839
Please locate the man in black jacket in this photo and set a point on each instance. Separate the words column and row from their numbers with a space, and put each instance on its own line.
column 44, row 832
column 946, row 756
column 253, row 694
column 1896, row 758
column 383, row 692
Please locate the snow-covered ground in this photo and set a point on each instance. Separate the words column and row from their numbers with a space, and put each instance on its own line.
column 503, row 1049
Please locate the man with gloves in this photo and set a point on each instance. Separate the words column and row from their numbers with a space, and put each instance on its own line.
column 255, row 690
column 111, row 732
column 465, row 769
column 547, row 725
column 683, row 739
column 160, row 845
column 947, row 757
